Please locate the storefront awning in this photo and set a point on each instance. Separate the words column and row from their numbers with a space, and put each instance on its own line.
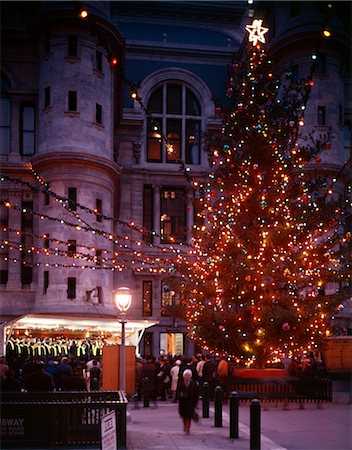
column 89, row 325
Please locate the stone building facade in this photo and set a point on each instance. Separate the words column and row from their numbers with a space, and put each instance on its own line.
column 85, row 167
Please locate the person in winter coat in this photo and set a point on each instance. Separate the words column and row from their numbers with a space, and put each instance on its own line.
column 188, row 395
column 174, row 379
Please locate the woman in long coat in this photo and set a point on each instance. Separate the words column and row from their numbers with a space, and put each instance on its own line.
column 188, row 395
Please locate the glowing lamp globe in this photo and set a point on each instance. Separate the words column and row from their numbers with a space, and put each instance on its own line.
column 123, row 298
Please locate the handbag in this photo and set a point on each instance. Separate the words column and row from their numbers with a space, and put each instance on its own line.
column 195, row 416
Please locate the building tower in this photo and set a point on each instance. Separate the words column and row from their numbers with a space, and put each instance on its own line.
column 61, row 78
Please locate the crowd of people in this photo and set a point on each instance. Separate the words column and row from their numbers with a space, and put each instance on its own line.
column 38, row 375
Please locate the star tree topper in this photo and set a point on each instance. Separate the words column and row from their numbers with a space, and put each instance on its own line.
column 256, row 32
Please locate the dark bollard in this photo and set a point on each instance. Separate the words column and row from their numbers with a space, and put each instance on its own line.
column 255, row 425
column 205, row 400
column 146, row 392
column 234, row 419
column 218, row 407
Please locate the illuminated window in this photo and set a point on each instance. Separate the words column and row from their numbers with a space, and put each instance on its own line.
column 170, row 296
column 173, row 215
column 147, row 298
column 174, row 126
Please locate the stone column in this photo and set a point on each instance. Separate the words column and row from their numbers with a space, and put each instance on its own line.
column 156, row 201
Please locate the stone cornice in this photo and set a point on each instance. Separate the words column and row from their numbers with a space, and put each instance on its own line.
column 62, row 158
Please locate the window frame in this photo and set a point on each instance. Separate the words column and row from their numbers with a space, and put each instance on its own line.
column 71, row 288
column 165, row 238
column 166, row 119
column 72, row 101
column 5, row 119
column 24, row 131
column 147, row 304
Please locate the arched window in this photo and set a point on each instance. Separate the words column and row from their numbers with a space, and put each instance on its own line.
column 174, row 117
column 5, row 117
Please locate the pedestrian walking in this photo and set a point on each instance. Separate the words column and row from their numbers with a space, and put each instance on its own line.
column 174, row 379
column 188, row 395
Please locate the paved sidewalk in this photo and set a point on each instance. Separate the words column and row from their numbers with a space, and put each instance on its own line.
column 159, row 427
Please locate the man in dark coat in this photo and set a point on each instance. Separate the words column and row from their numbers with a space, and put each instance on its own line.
column 150, row 371
column 38, row 381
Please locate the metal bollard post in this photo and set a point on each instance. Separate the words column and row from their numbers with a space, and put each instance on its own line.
column 205, row 400
column 146, row 392
column 255, row 425
column 234, row 419
column 218, row 407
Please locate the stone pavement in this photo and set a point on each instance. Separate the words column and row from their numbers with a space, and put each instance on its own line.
column 159, row 427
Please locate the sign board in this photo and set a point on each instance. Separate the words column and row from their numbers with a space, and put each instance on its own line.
column 108, row 431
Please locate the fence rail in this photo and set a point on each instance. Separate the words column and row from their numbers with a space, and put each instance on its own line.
column 38, row 419
column 305, row 389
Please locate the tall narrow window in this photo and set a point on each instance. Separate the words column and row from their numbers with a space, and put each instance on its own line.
column 71, row 288
column 99, row 209
column 46, row 281
column 46, row 243
column 72, row 101
column 321, row 115
column 5, row 117
column 174, row 127
column 98, row 113
column 148, row 213
column 72, row 198
column 47, row 97
column 147, row 298
column 98, row 61
column 155, row 144
column 169, row 297
column 98, row 257
column 173, row 215
column 28, row 130
column 47, row 195
column 72, row 46
column 71, row 247
column 173, row 131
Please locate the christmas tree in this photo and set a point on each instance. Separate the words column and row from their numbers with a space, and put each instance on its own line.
column 272, row 245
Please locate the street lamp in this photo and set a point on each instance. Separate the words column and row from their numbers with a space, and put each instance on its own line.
column 123, row 300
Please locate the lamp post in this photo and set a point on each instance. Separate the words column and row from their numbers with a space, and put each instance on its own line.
column 123, row 300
